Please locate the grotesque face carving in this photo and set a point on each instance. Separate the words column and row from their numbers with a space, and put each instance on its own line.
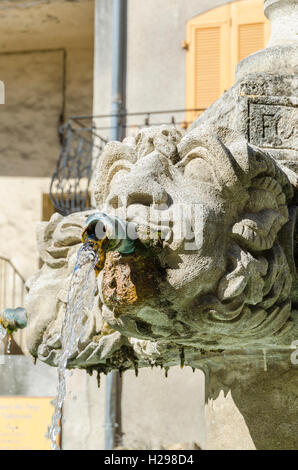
column 234, row 276
column 213, row 266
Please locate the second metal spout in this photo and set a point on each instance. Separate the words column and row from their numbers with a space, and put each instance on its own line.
column 13, row 319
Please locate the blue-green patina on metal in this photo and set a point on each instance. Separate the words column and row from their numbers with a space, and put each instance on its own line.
column 13, row 319
column 100, row 225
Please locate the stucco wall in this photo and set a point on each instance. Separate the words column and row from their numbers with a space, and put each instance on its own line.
column 155, row 59
column 154, row 411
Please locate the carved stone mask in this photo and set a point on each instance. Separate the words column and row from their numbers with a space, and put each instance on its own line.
column 235, row 276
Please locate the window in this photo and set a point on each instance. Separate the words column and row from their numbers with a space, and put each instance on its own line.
column 216, row 42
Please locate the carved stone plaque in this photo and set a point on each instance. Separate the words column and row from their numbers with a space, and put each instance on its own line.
column 273, row 126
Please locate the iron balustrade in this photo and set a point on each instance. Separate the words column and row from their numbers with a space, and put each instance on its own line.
column 81, row 147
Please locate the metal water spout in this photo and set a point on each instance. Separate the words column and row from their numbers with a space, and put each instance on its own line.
column 13, row 319
column 109, row 233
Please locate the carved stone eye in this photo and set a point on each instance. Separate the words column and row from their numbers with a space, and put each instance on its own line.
column 198, row 169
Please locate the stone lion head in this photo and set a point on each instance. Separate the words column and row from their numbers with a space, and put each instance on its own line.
column 226, row 280
column 233, row 277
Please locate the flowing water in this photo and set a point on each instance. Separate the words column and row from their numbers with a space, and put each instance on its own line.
column 3, row 333
column 80, row 299
column 8, row 345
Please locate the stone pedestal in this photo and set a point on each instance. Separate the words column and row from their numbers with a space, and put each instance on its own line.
column 252, row 404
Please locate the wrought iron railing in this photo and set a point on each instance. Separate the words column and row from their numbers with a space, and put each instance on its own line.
column 81, row 147
column 12, row 285
column 83, row 139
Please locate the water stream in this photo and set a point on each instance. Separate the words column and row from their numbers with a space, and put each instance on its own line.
column 3, row 333
column 80, row 299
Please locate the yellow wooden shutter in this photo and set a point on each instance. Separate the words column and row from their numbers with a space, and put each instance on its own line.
column 207, row 39
column 207, row 65
column 249, row 30
column 251, row 39
column 216, row 42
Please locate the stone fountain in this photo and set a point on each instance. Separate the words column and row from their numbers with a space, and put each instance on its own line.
column 221, row 293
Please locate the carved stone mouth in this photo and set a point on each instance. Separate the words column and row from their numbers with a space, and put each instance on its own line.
column 57, row 251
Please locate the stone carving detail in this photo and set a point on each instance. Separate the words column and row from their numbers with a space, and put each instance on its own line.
column 254, row 87
column 232, row 289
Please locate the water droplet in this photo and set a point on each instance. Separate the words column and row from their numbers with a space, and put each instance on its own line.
column 265, row 360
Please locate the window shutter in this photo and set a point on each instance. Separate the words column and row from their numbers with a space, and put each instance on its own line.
column 251, row 39
column 208, row 51
column 207, row 66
